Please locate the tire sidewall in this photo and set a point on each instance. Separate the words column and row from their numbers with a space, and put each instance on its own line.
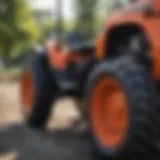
column 108, row 69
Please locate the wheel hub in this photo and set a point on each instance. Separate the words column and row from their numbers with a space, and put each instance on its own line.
column 109, row 112
column 27, row 91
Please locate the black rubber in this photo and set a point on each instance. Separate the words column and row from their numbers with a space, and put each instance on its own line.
column 143, row 102
column 44, row 91
column 83, row 70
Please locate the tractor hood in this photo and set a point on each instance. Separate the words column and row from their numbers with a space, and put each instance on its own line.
column 130, row 14
column 133, row 14
column 138, row 7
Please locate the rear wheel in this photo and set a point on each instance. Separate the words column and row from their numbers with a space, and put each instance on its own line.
column 110, row 121
column 122, row 111
column 37, row 92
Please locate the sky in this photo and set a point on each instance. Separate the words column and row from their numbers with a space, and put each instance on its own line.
column 51, row 4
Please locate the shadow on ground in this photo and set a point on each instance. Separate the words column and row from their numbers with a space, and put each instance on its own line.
column 57, row 145
column 42, row 145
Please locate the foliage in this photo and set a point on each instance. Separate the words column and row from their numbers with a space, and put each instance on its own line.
column 85, row 16
column 90, row 14
column 47, row 28
column 17, row 26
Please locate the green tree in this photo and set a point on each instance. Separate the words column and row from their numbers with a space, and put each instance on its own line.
column 85, row 16
column 17, row 26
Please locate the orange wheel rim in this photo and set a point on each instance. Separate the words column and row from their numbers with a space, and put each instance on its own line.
column 27, row 91
column 109, row 112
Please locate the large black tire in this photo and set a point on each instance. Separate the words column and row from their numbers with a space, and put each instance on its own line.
column 142, row 95
column 44, row 91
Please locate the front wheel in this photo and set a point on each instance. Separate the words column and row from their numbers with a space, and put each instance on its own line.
column 37, row 92
column 123, row 106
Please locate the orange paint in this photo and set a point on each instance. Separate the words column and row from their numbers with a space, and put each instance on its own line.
column 109, row 112
column 27, row 91
column 58, row 56
column 150, row 26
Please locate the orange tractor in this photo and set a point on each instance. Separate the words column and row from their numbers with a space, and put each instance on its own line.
column 118, row 81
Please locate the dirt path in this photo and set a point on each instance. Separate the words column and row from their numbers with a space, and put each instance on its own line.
column 9, row 103
column 10, row 108
column 10, row 113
